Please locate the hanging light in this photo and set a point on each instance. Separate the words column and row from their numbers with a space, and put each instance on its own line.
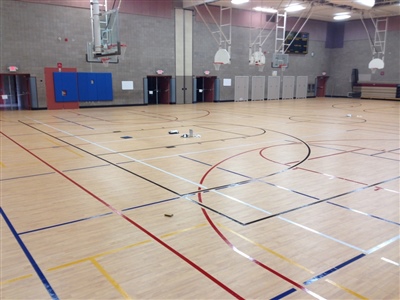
column 368, row 3
column 294, row 7
column 342, row 16
column 265, row 9
column 239, row 1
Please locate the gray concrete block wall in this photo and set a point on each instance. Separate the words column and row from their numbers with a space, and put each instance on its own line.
column 205, row 48
column 33, row 37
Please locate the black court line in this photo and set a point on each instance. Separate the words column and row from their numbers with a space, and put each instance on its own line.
column 170, row 146
column 324, row 120
column 156, row 116
column 86, row 168
column 74, row 122
column 91, row 117
column 251, row 179
column 103, row 159
column 355, row 152
column 323, row 200
column 27, row 176
column 232, row 132
column 64, row 223
column 95, row 216
column 223, row 186
column 133, row 173
column 364, row 213
column 263, row 131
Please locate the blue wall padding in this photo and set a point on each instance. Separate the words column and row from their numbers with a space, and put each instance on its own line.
column 65, row 87
column 82, row 86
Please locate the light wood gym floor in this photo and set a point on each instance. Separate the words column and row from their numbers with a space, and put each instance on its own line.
column 289, row 199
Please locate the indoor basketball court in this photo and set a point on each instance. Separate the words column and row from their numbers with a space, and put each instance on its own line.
column 264, row 200
column 200, row 149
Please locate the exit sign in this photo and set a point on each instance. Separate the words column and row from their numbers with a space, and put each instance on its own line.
column 12, row 68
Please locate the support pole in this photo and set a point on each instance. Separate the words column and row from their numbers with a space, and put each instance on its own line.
column 96, row 26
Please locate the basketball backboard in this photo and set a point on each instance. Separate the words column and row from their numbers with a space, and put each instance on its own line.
column 105, row 36
column 279, row 60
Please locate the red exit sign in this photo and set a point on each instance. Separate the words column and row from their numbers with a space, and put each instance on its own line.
column 12, row 68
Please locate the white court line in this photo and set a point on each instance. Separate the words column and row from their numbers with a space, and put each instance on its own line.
column 241, row 202
column 196, row 184
column 238, row 146
column 390, row 261
column 384, row 244
column 121, row 154
column 324, row 235
column 392, row 191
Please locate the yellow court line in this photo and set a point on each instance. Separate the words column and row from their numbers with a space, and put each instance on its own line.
column 346, row 289
column 110, row 279
column 120, row 249
column 66, row 147
column 16, row 279
column 183, row 230
column 267, row 249
column 98, row 255
column 2, row 165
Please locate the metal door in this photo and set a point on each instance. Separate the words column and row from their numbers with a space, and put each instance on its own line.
column 241, row 88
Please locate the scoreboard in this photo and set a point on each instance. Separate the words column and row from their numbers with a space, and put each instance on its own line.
column 298, row 42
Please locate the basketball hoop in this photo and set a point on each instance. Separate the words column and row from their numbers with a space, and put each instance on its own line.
column 283, row 67
column 105, row 61
column 373, row 70
column 217, row 65
column 123, row 50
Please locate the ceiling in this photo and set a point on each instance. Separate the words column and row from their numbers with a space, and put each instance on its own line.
column 320, row 9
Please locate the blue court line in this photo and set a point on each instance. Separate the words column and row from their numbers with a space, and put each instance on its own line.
column 326, row 273
column 284, row 294
column 38, row 271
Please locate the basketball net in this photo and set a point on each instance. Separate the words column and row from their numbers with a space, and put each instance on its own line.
column 217, row 65
column 260, row 67
column 373, row 70
column 105, row 61
column 283, row 67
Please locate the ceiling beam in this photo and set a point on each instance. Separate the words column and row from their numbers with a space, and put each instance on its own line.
column 192, row 3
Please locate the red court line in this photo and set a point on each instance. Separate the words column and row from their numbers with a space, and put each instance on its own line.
column 333, row 154
column 312, row 171
column 177, row 253
column 199, row 195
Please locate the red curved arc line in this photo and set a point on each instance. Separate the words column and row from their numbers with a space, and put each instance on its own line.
column 223, row 237
column 217, row 164
column 247, row 256
column 274, row 161
column 181, row 256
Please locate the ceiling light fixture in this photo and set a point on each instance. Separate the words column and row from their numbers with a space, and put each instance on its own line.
column 294, row 7
column 265, row 9
column 239, row 1
column 368, row 3
column 342, row 16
